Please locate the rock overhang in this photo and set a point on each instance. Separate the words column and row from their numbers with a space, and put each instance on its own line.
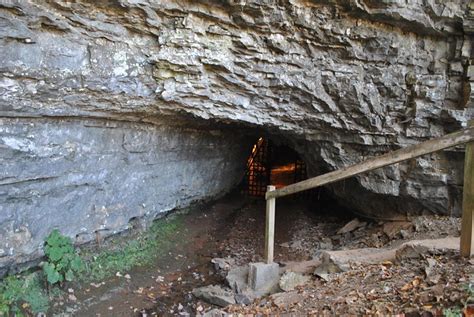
column 338, row 81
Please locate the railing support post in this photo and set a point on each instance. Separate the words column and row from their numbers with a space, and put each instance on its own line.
column 270, row 227
column 467, row 222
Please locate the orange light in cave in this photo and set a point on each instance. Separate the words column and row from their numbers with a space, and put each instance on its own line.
column 283, row 175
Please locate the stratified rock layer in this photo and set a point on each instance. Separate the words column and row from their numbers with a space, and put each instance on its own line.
column 91, row 178
column 100, row 103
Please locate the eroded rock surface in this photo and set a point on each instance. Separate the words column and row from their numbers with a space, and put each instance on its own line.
column 90, row 93
column 91, row 178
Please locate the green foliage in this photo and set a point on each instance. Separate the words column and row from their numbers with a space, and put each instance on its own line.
column 24, row 291
column 452, row 312
column 142, row 250
column 23, row 295
column 457, row 311
column 63, row 263
column 470, row 290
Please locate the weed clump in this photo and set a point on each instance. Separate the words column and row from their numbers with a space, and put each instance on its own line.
column 26, row 294
column 22, row 293
column 136, row 252
column 62, row 260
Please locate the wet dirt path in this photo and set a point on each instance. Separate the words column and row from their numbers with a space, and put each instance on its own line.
column 233, row 226
column 168, row 282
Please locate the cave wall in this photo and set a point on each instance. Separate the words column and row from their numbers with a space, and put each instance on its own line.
column 339, row 79
column 91, row 178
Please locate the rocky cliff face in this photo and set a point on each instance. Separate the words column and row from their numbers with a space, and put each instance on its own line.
column 102, row 104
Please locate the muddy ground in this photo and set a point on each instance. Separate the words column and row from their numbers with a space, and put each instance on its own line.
column 234, row 227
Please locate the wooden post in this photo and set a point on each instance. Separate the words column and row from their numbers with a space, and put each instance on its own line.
column 467, row 222
column 270, row 227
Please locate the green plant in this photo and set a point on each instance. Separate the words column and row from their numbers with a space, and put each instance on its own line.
column 22, row 291
column 458, row 311
column 452, row 312
column 63, row 262
column 141, row 250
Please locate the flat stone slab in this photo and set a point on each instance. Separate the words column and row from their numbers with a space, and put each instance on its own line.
column 339, row 261
column 414, row 248
column 304, row 267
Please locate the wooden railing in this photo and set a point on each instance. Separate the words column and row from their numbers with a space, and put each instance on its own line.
column 457, row 138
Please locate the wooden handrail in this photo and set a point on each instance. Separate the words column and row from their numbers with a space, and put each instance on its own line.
column 410, row 152
column 407, row 153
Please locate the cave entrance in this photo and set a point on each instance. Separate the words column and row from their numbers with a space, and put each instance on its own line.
column 272, row 164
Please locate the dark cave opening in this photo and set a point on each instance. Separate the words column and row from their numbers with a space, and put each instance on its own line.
column 270, row 163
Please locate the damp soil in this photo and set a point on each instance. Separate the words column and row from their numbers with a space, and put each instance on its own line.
column 233, row 227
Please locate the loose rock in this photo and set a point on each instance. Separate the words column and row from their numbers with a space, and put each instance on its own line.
column 215, row 294
column 351, row 226
column 290, row 280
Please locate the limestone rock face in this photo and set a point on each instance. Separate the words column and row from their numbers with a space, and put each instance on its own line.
column 117, row 109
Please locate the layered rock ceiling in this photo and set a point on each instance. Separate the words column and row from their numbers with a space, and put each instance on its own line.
column 117, row 110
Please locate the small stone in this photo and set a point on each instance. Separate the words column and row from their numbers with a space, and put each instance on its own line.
column 242, row 299
column 297, row 245
column 325, row 244
column 215, row 313
column 223, row 263
column 215, row 294
column 405, row 234
column 393, row 228
column 72, row 297
column 285, row 300
column 290, row 280
column 351, row 226
column 424, row 298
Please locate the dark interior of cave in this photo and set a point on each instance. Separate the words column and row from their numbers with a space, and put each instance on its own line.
column 270, row 163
